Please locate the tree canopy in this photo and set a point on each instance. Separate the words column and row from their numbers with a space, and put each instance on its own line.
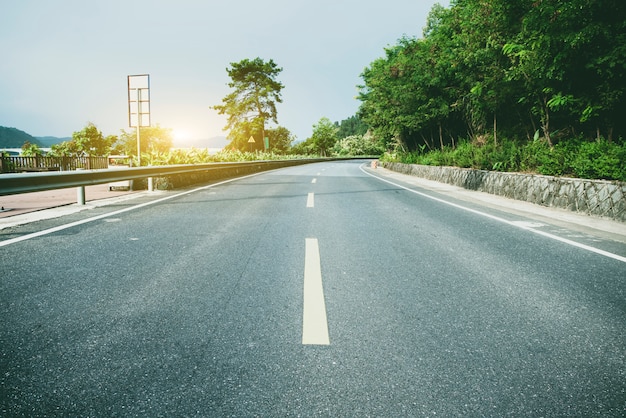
column 152, row 138
column 89, row 141
column 252, row 101
column 351, row 126
column 31, row 150
column 544, row 69
column 280, row 139
column 324, row 136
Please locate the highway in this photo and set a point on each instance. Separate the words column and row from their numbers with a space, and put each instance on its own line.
column 327, row 289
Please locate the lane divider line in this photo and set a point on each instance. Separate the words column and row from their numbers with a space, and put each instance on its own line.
column 520, row 225
column 314, row 320
column 310, row 200
column 313, row 181
column 117, row 212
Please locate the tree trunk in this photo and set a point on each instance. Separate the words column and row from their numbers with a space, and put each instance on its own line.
column 495, row 125
column 440, row 136
column 426, row 142
column 545, row 121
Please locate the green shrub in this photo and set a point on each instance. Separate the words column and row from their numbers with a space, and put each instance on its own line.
column 599, row 160
column 577, row 157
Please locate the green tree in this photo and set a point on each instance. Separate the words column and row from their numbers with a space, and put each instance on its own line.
column 592, row 36
column 357, row 145
column 408, row 95
column 87, row 142
column 153, row 139
column 483, row 27
column 351, row 126
column 502, row 67
column 570, row 59
column 91, row 142
column 280, row 139
column 64, row 149
column 381, row 108
column 303, row 148
column 324, row 136
column 252, row 101
column 31, row 150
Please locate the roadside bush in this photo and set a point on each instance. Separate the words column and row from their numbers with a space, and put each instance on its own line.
column 200, row 156
column 597, row 159
column 357, row 145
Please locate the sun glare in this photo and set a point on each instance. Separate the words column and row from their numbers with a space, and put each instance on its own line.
column 179, row 135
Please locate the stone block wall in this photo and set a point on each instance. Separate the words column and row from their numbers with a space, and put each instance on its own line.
column 592, row 197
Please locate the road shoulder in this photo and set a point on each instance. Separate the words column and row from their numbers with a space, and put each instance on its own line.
column 595, row 226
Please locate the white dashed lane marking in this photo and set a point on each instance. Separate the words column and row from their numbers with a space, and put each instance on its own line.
column 314, row 320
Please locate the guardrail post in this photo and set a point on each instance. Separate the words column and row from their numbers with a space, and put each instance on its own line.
column 80, row 192
column 80, row 195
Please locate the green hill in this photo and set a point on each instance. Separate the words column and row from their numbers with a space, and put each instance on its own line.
column 49, row 141
column 14, row 138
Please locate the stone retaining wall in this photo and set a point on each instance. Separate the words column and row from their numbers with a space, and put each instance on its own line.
column 592, row 197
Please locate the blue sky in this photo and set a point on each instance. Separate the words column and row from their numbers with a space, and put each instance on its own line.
column 65, row 62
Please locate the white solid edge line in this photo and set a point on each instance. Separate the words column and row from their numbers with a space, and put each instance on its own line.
column 314, row 320
column 106, row 215
column 515, row 224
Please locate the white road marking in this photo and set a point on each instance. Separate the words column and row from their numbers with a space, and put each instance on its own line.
column 314, row 181
column 516, row 224
column 117, row 212
column 314, row 320
column 310, row 200
column 528, row 224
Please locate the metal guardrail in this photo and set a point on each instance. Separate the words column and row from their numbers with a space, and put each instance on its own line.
column 37, row 182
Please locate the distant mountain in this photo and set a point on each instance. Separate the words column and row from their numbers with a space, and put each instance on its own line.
column 48, row 141
column 14, row 138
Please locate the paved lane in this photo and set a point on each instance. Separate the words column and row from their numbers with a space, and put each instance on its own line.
column 195, row 306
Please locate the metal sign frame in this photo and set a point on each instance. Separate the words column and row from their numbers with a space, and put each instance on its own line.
column 139, row 100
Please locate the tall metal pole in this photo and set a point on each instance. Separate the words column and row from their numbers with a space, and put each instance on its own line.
column 138, row 127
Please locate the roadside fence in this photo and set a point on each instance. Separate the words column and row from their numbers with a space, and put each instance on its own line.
column 20, row 164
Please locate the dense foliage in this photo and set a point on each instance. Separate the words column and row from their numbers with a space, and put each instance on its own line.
column 89, row 141
column 348, row 138
column 350, row 127
column 153, row 139
column 575, row 158
column 551, row 72
column 31, row 150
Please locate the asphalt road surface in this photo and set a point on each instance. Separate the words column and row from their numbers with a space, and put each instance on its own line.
column 317, row 290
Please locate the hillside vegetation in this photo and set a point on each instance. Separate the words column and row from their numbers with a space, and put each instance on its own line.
column 507, row 85
column 14, row 138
